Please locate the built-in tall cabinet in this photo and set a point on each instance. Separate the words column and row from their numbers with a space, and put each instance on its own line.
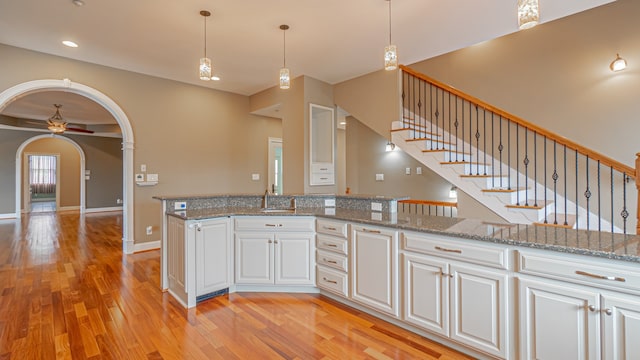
column 273, row 250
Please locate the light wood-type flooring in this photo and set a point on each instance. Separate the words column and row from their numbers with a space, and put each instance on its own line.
column 67, row 292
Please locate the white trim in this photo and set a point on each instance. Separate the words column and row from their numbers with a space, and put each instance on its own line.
column 103, row 209
column 146, row 246
column 8, row 216
column 20, row 90
column 69, row 208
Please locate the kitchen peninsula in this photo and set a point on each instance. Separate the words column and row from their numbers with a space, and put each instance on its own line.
column 491, row 290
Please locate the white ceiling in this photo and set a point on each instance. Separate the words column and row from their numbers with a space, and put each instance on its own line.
column 330, row 40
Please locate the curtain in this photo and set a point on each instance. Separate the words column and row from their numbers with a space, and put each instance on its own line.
column 42, row 174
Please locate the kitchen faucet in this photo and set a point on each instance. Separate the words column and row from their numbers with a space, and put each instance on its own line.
column 265, row 199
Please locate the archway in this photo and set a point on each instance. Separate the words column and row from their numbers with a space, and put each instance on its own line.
column 10, row 94
column 19, row 162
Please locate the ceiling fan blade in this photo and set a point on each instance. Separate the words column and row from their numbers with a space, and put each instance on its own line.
column 79, row 130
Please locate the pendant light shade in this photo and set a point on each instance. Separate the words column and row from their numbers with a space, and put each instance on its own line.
column 528, row 14
column 390, row 51
column 618, row 64
column 285, row 76
column 205, row 63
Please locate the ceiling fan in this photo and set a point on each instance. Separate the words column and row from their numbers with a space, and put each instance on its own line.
column 57, row 125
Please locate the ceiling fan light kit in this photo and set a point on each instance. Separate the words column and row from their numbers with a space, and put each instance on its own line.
column 57, row 125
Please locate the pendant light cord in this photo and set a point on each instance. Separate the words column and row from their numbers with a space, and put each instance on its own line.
column 205, row 36
column 389, row 21
column 284, row 48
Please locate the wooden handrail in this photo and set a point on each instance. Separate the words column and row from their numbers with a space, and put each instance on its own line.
column 605, row 160
column 429, row 202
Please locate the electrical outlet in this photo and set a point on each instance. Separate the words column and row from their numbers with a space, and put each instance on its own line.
column 180, row 205
column 255, row 177
column 419, row 170
column 149, row 230
column 329, row 202
column 407, row 171
column 379, row 177
column 376, row 206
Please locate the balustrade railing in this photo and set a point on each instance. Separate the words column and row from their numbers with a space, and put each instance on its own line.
column 576, row 186
column 429, row 207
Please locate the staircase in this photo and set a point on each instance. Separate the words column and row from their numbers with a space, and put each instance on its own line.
column 523, row 173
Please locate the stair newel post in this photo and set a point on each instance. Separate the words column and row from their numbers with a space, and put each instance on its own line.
column 637, row 173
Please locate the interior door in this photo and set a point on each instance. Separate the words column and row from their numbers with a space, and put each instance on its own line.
column 275, row 165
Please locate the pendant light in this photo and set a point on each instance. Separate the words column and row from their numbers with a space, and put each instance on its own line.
column 205, row 62
column 285, row 76
column 528, row 14
column 618, row 64
column 390, row 52
column 56, row 123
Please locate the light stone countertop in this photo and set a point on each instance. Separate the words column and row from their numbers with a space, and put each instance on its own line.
column 591, row 243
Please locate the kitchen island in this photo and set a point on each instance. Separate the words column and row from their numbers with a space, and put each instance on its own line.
column 492, row 290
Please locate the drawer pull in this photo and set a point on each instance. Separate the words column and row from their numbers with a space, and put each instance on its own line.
column 449, row 250
column 273, row 225
column 329, row 228
column 371, row 231
column 329, row 281
column 601, row 277
column 330, row 245
column 330, row 261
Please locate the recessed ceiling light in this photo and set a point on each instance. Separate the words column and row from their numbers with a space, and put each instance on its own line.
column 70, row 43
column 215, row 78
column 77, row 2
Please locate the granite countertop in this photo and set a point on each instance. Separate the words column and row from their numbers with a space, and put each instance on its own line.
column 350, row 196
column 591, row 243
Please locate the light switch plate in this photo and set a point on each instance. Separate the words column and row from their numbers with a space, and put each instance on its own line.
column 255, row 177
column 419, row 170
column 152, row 177
column 379, row 177
column 407, row 171
column 143, row 167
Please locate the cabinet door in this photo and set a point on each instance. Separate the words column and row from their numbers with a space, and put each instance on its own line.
column 621, row 318
column 374, row 268
column 213, row 256
column 558, row 321
column 479, row 308
column 426, row 293
column 176, row 259
column 294, row 263
column 254, row 258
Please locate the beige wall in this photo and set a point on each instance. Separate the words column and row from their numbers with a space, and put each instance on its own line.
column 197, row 139
column 69, row 167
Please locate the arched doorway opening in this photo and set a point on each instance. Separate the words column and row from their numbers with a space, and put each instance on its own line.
column 10, row 94
column 20, row 174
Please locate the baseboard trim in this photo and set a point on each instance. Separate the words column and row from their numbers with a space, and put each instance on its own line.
column 8, row 216
column 69, row 208
column 103, row 209
column 146, row 246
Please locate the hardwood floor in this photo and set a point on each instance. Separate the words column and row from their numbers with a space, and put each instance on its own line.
column 67, row 292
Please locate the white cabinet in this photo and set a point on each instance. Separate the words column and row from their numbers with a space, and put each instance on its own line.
column 213, row 255
column 199, row 259
column 274, row 250
column 464, row 302
column 575, row 308
column 332, row 262
column 374, row 273
column 558, row 321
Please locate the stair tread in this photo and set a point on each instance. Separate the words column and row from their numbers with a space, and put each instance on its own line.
column 482, row 176
column 462, row 162
column 571, row 220
column 505, row 190
column 540, row 204
column 429, row 139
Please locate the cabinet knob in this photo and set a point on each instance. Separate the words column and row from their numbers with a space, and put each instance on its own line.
column 269, row 241
column 608, row 311
column 591, row 308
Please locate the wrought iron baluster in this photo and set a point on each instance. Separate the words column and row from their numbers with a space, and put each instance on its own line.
column 535, row 170
column 555, row 181
column 477, row 142
column 456, row 123
column 484, row 139
column 526, row 167
column 430, row 109
column 404, row 105
column 493, row 152
column 471, row 142
column 587, row 192
column 599, row 204
column 624, row 213
column 419, row 115
column 437, row 114
column 508, row 156
column 545, row 178
column 517, row 164
column 566, row 194
column 576, row 189
column 611, row 186
column 500, row 148
column 449, row 129
column 462, row 138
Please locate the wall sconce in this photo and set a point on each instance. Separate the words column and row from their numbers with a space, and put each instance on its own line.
column 618, row 64
column 390, row 146
column 453, row 192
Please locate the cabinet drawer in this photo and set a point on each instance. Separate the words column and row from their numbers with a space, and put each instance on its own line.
column 279, row 223
column 332, row 244
column 332, row 280
column 322, row 179
column 331, row 228
column 322, row 168
column 446, row 247
column 333, row 260
column 580, row 270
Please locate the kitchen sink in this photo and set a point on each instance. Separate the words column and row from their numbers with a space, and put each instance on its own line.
column 273, row 210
